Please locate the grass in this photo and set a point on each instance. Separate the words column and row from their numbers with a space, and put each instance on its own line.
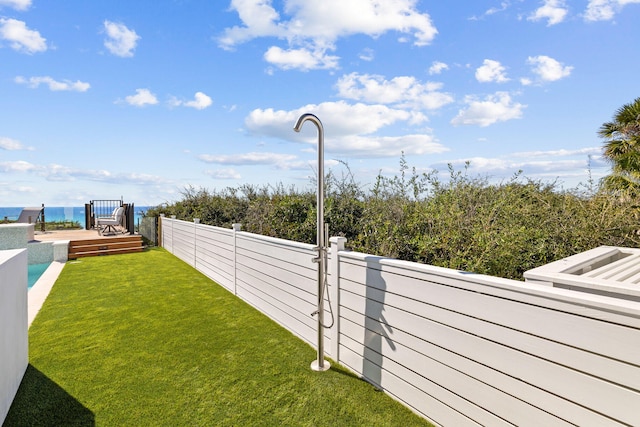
column 62, row 225
column 144, row 339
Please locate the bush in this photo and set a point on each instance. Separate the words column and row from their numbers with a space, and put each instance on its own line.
column 465, row 223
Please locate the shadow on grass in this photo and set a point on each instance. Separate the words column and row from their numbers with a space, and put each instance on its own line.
column 42, row 402
column 343, row 371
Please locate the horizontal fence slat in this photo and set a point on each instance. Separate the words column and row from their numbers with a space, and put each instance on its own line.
column 293, row 320
column 614, row 341
column 302, row 286
column 298, row 253
column 444, row 302
column 470, row 396
column 424, row 404
column 609, row 309
column 461, row 352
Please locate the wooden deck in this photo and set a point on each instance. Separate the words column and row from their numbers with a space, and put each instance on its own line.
column 69, row 235
column 83, row 243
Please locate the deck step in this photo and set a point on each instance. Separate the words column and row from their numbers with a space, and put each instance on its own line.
column 105, row 246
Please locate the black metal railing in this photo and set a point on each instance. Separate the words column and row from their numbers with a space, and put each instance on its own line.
column 106, row 208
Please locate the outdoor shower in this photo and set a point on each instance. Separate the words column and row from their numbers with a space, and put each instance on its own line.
column 320, row 364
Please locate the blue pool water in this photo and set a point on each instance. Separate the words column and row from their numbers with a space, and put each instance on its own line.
column 35, row 271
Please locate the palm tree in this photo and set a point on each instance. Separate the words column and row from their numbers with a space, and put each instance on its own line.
column 622, row 149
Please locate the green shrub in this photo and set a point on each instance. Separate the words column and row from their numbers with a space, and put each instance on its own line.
column 465, row 223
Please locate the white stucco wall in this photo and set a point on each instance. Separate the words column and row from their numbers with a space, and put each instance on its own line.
column 14, row 341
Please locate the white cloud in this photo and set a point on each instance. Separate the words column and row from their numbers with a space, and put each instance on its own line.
column 492, row 11
column 200, row 102
column 12, row 190
column 57, row 172
column 491, row 71
column 367, row 54
column 340, row 119
column 331, row 19
column 303, row 59
column 494, row 108
column 605, row 10
column 349, row 129
column 488, row 165
column 437, row 67
column 120, row 41
column 223, row 174
column 574, row 165
column 387, row 146
column 548, row 69
column 503, row 6
column 404, row 91
column 12, row 144
column 16, row 4
column 21, row 38
column 54, row 85
column 139, row 178
column 18, row 166
column 259, row 19
column 554, row 11
column 64, row 173
column 281, row 161
column 313, row 27
column 141, row 98
column 52, row 172
column 560, row 153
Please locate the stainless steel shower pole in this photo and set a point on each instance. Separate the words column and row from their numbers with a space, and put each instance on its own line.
column 320, row 364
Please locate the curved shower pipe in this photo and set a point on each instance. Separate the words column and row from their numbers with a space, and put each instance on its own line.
column 320, row 364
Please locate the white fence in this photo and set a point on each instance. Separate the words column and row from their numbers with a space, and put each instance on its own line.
column 456, row 347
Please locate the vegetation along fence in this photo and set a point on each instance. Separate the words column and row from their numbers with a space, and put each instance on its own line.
column 456, row 347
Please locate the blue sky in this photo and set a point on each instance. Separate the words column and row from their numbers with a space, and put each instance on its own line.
column 142, row 99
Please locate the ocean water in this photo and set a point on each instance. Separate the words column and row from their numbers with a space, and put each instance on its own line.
column 58, row 213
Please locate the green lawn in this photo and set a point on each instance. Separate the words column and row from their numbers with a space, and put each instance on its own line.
column 145, row 340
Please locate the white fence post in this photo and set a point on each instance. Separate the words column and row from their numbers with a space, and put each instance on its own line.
column 337, row 245
column 196, row 221
column 173, row 223
column 161, row 230
column 236, row 228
